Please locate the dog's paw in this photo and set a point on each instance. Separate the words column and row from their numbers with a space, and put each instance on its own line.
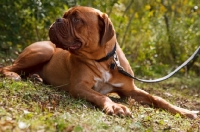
column 112, row 108
column 35, row 78
column 12, row 75
column 187, row 113
column 191, row 114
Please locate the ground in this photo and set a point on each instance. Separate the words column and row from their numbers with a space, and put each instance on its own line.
column 26, row 106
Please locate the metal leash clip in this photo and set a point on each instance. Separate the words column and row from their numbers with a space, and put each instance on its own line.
column 116, row 60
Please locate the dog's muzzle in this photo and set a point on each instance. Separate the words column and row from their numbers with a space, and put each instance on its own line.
column 59, row 34
column 54, row 36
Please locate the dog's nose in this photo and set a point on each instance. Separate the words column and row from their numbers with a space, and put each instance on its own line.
column 59, row 20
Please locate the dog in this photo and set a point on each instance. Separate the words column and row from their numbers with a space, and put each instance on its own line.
column 83, row 57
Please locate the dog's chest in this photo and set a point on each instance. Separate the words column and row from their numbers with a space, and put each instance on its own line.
column 103, row 84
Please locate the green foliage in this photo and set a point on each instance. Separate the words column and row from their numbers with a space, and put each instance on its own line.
column 26, row 21
column 156, row 36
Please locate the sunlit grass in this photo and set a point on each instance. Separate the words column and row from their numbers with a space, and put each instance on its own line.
column 26, row 106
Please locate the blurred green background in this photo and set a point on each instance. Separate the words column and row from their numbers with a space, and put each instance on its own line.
column 156, row 36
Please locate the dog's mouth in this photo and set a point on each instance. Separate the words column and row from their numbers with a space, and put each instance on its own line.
column 74, row 46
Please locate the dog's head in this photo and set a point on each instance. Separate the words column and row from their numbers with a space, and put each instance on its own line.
column 83, row 31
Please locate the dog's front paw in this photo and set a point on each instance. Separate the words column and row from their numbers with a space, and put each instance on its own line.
column 187, row 113
column 112, row 108
column 191, row 114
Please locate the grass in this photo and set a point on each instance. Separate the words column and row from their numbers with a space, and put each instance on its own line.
column 25, row 106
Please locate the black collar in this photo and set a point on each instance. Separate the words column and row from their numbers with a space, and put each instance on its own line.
column 108, row 55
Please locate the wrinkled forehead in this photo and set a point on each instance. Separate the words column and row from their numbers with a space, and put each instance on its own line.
column 82, row 10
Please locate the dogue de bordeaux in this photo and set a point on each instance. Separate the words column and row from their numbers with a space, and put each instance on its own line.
column 81, row 58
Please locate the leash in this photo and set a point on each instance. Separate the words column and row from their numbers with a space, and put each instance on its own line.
column 122, row 71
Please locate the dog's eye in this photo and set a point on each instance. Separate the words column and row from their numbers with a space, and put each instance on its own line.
column 76, row 20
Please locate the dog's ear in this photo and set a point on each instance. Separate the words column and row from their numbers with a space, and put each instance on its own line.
column 106, row 29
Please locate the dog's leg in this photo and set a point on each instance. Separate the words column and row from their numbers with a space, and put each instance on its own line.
column 145, row 98
column 32, row 56
column 83, row 90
